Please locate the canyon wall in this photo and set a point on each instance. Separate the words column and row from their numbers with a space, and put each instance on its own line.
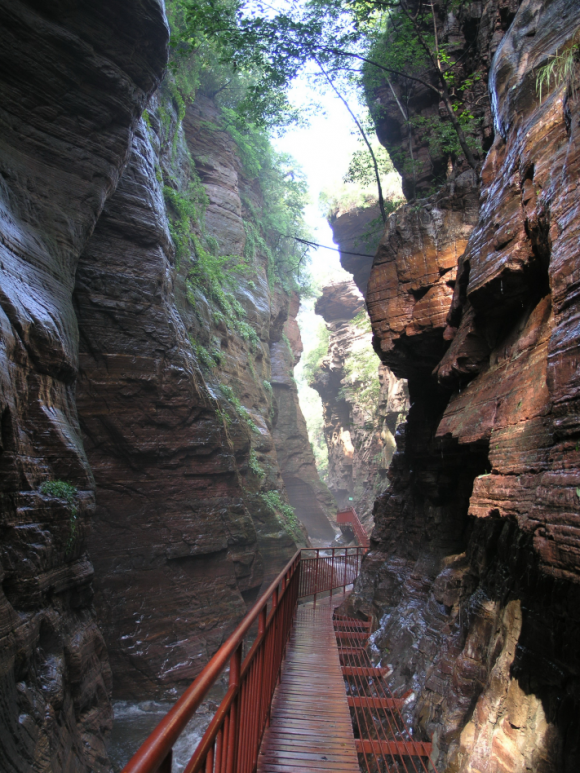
column 363, row 403
column 143, row 503
column 177, row 405
column 473, row 572
column 74, row 80
column 314, row 504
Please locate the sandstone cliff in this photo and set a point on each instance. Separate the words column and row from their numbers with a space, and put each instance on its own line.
column 137, row 414
column 177, row 406
column 311, row 499
column 363, row 403
column 473, row 571
column 74, row 81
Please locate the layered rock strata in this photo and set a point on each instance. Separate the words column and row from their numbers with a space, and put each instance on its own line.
column 474, row 571
column 74, row 81
column 362, row 407
column 357, row 232
column 182, row 538
column 311, row 499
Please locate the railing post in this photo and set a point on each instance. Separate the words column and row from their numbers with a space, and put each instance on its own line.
column 235, row 668
column 332, row 572
column 316, row 574
column 165, row 766
column 345, row 564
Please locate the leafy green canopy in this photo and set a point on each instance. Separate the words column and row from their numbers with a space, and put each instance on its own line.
column 395, row 40
column 202, row 62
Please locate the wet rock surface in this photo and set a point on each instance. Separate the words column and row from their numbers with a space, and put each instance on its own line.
column 473, row 572
column 74, row 81
column 182, row 541
column 162, row 462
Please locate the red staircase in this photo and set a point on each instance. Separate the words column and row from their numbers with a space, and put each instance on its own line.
column 350, row 517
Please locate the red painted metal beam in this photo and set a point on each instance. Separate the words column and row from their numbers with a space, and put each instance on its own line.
column 369, row 702
column 365, row 671
column 350, row 516
column 153, row 753
column 394, row 748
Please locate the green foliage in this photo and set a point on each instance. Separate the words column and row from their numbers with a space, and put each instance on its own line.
column 207, row 359
column 186, row 210
column 440, row 136
column 361, row 366
column 59, row 489
column 62, row 490
column 254, row 465
column 313, row 359
column 202, row 59
column 284, row 512
column 561, row 68
column 240, row 410
column 268, row 388
column 361, row 169
column 229, row 58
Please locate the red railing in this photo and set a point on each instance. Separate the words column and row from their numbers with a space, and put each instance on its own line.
column 323, row 569
column 350, row 516
column 232, row 739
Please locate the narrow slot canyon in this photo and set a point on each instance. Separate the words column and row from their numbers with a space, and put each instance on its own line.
column 289, row 386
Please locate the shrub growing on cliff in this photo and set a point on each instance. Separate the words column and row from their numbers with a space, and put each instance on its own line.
column 313, row 359
column 241, row 411
column 561, row 68
column 60, row 489
column 284, row 512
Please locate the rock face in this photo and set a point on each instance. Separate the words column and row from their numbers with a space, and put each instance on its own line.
column 73, row 80
column 182, row 539
column 313, row 502
column 357, row 232
column 474, row 567
column 412, row 121
column 134, row 422
column 363, row 404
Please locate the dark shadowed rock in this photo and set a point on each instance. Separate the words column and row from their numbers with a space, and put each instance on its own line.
column 474, row 571
column 74, row 79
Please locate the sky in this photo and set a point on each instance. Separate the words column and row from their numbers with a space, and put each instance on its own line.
column 323, row 150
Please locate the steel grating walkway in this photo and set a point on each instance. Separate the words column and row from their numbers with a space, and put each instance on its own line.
column 310, row 726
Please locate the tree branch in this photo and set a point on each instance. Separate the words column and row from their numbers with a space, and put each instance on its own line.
column 364, row 136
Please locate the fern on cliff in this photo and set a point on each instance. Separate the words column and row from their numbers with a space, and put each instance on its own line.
column 560, row 69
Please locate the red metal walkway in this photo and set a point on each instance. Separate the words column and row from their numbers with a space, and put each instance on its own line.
column 300, row 677
column 310, row 725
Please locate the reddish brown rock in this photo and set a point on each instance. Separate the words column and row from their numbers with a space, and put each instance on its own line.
column 313, row 502
column 73, row 83
column 183, row 539
column 359, row 432
column 474, row 567
column 413, row 275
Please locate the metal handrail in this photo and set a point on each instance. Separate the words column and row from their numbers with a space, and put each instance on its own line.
column 233, row 737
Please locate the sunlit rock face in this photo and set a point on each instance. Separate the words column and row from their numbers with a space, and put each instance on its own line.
column 359, row 433
column 182, row 539
column 413, row 275
column 73, row 80
column 357, row 232
column 474, row 567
